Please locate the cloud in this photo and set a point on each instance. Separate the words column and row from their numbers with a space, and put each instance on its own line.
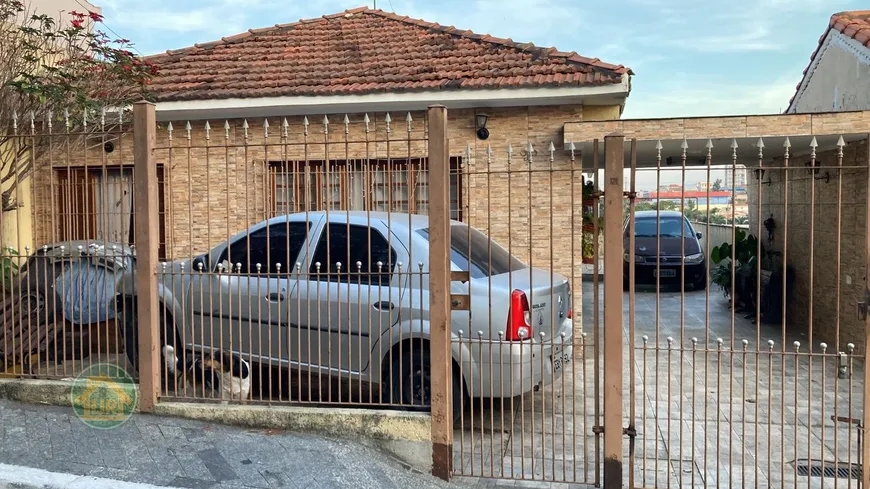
column 692, row 97
column 735, row 26
column 755, row 37
column 189, row 22
column 158, row 25
column 543, row 22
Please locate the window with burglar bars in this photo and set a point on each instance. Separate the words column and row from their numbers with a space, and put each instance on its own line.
column 398, row 185
column 97, row 203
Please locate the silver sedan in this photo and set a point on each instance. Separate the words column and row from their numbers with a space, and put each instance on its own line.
column 355, row 304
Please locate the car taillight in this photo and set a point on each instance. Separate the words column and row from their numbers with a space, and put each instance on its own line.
column 570, row 313
column 519, row 323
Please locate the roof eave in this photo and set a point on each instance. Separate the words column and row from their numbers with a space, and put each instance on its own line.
column 615, row 93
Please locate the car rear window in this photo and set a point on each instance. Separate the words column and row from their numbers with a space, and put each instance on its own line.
column 668, row 226
column 474, row 252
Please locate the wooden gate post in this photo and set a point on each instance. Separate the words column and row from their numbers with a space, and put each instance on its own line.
column 614, row 164
column 439, row 294
column 146, row 237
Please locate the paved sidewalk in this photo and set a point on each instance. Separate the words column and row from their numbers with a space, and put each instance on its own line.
column 182, row 453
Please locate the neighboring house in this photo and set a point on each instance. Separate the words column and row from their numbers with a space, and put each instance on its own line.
column 838, row 77
column 17, row 228
column 836, row 80
column 358, row 62
column 55, row 7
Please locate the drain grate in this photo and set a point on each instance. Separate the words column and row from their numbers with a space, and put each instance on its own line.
column 815, row 468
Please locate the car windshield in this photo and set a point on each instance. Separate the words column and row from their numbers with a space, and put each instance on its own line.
column 473, row 251
column 669, row 227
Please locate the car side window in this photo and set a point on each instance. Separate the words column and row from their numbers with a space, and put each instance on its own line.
column 278, row 243
column 349, row 244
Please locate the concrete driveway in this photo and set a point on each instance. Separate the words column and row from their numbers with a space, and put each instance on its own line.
column 711, row 414
column 706, row 417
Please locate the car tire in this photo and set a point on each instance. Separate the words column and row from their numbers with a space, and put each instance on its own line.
column 414, row 390
column 131, row 335
column 39, row 287
column 700, row 284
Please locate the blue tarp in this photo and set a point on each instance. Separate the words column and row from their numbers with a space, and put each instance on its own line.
column 87, row 290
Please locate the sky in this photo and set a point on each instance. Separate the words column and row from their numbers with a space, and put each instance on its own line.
column 690, row 57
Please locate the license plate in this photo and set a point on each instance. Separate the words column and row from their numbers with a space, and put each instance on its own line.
column 560, row 360
column 664, row 273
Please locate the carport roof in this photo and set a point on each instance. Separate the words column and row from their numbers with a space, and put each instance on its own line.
column 800, row 129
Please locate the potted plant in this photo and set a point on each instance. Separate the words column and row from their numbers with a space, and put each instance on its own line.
column 588, row 193
column 743, row 251
column 589, row 223
column 588, row 248
column 589, row 201
column 751, row 272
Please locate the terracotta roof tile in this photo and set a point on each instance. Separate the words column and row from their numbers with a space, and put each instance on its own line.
column 854, row 24
column 365, row 51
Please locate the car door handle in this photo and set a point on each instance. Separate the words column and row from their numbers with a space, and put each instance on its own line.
column 275, row 297
column 383, row 305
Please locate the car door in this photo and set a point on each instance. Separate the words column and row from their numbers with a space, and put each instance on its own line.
column 350, row 306
column 245, row 306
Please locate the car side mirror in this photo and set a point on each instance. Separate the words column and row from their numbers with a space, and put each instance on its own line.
column 698, row 235
column 200, row 263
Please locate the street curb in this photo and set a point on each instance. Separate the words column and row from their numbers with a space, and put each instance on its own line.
column 404, row 435
column 33, row 391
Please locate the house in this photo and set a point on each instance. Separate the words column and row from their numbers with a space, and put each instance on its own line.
column 824, row 224
column 838, row 76
column 54, row 7
column 371, row 67
column 17, row 226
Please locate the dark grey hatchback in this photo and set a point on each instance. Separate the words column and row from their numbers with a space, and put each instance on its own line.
column 670, row 238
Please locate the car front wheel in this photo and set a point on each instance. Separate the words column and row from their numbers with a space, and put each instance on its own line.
column 131, row 334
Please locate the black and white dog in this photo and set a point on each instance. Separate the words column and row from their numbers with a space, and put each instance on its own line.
column 225, row 376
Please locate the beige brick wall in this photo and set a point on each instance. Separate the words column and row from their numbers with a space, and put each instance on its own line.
column 753, row 126
column 822, row 214
column 215, row 191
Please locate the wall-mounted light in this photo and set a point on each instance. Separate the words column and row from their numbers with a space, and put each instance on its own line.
column 759, row 175
column 480, row 123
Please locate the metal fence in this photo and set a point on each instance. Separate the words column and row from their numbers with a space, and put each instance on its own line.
column 744, row 357
column 299, row 261
column 528, row 369
column 66, row 221
column 359, row 260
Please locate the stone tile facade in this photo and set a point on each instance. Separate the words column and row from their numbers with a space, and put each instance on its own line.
column 827, row 317
column 218, row 184
column 814, row 220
